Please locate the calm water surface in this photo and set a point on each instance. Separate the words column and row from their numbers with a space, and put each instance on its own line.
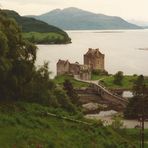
column 121, row 49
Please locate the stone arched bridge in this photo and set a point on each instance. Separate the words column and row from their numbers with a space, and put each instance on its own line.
column 106, row 94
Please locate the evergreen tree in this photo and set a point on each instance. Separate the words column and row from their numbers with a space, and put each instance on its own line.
column 16, row 59
column 139, row 102
column 118, row 78
column 70, row 91
column 139, row 87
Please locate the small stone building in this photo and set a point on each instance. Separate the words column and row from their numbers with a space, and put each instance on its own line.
column 94, row 59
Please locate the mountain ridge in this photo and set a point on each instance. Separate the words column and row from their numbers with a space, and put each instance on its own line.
column 77, row 19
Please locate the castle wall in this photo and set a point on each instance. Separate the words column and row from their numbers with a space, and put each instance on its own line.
column 99, row 62
column 74, row 69
column 85, row 75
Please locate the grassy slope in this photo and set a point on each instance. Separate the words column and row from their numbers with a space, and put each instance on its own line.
column 25, row 125
column 127, row 83
column 77, row 84
column 134, row 136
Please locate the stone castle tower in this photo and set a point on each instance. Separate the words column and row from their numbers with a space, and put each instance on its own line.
column 94, row 59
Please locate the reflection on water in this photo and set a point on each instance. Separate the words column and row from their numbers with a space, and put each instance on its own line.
column 119, row 49
column 127, row 94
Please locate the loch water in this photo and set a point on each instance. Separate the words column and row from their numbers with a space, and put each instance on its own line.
column 123, row 49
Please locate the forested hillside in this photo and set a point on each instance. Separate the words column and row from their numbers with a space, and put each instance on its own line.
column 51, row 34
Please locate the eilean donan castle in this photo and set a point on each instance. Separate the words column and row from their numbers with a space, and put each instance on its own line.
column 93, row 60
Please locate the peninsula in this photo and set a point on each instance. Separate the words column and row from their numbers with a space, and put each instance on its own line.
column 37, row 31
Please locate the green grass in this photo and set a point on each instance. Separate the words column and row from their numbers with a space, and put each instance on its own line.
column 24, row 125
column 97, row 77
column 76, row 84
column 107, row 81
column 45, row 38
column 134, row 135
column 127, row 82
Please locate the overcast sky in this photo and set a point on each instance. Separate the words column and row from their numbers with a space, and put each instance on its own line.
column 128, row 9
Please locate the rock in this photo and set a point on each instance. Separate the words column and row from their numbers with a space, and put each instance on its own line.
column 93, row 107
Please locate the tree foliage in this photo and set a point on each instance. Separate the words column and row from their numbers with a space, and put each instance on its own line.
column 16, row 59
column 139, row 87
column 20, row 79
column 118, row 78
column 139, row 103
column 68, row 87
column 135, row 107
column 99, row 72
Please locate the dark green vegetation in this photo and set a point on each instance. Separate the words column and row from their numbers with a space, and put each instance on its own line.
column 45, row 33
column 135, row 107
column 28, row 125
column 17, row 59
column 133, row 135
column 77, row 19
column 76, row 84
column 68, row 87
column 45, row 38
column 138, row 105
column 19, row 78
column 118, row 78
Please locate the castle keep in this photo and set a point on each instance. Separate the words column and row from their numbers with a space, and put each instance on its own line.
column 93, row 60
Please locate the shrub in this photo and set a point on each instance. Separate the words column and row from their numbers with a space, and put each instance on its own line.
column 118, row 78
column 99, row 72
column 117, row 123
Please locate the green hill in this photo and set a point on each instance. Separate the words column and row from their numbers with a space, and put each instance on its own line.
column 53, row 34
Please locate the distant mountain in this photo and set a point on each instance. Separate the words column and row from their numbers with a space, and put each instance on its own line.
column 143, row 24
column 139, row 23
column 77, row 19
column 145, row 27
